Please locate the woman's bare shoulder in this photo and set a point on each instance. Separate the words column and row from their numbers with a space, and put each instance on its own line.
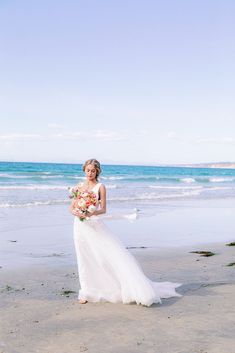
column 102, row 189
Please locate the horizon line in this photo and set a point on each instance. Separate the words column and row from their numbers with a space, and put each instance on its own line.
column 129, row 164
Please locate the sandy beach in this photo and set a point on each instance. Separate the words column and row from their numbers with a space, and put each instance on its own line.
column 38, row 314
column 132, row 101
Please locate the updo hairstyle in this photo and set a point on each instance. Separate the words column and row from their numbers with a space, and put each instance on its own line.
column 95, row 163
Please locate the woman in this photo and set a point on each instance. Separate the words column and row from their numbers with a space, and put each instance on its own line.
column 107, row 270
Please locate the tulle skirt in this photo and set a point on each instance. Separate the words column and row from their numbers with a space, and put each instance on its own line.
column 108, row 272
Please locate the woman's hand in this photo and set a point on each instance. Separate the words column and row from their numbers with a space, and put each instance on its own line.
column 82, row 215
column 89, row 214
column 78, row 213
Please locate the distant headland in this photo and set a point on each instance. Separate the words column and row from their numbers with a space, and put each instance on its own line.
column 224, row 165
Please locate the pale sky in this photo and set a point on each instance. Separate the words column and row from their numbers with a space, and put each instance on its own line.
column 127, row 81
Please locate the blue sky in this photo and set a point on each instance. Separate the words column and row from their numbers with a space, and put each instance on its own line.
column 142, row 82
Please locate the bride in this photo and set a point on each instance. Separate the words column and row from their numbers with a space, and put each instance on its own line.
column 108, row 272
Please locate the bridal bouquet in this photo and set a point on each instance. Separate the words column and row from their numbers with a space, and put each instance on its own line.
column 84, row 201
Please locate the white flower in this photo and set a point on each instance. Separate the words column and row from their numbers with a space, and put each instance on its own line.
column 82, row 203
column 91, row 208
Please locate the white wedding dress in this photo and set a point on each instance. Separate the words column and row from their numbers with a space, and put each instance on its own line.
column 108, row 272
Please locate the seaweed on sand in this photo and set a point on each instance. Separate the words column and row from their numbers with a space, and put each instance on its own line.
column 231, row 244
column 231, row 264
column 203, row 253
column 66, row 292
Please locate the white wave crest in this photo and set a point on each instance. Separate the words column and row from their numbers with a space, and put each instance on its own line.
column 33, row 187
column 153, row 196
column 35, row 203
column 111, row 186
column 14, row 176
column 112, row 177
column 220, row 180
column 49, row 176
column 77, row 177
column 44, row 187
column 188, row 180
column 175, row 187
column 220, row 188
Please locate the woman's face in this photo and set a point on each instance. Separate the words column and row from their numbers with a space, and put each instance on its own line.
column 90, row 172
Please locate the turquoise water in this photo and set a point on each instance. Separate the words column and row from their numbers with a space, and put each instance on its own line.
column 36, row 184
column 147, row 206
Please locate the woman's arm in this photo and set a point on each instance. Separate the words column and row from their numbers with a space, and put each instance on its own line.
column 102, row 201
column 71, row 207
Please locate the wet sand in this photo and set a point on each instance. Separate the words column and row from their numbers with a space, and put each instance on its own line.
column 40, row 311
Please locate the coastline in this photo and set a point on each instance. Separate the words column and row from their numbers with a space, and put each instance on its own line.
column 36, row 317
column 39, row 283
column 44, row 234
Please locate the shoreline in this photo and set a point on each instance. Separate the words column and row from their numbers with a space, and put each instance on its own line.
column 45, row 234
column 51, row 259
column 142, row 252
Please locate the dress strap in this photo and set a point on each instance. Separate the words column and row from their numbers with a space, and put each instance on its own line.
column 97, row 186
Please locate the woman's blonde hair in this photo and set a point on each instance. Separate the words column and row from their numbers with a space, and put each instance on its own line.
column 95, row 163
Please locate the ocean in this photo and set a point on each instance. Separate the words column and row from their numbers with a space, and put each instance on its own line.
column 147, row 207
column 37, row 184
